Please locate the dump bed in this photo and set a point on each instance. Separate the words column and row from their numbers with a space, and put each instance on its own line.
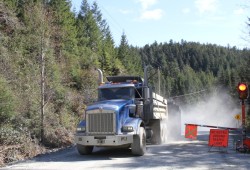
column 159, row 107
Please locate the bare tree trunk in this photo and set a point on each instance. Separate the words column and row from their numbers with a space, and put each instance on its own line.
column 42, row 53
column 42, row 90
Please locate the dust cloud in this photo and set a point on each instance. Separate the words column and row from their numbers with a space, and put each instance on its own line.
column 216, row 110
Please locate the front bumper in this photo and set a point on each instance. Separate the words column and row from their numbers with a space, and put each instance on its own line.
column 114, row 140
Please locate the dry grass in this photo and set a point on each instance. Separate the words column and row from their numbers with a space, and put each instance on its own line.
column 29, row 148
column 12, row 153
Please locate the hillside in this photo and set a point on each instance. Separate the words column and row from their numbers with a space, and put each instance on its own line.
column 48, row 56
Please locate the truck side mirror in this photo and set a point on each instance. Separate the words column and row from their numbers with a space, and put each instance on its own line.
column 132, row 110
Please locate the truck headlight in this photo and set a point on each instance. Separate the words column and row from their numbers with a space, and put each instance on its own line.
column 81, row 129
column 127, row 129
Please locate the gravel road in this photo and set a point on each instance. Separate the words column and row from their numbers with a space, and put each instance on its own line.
column 184, row 154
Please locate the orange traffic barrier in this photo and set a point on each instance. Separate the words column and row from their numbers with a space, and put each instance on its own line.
column 191, row 131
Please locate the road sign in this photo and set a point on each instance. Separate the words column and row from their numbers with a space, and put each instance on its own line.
column 238, row 117
column 191, row 131
column 218, row 138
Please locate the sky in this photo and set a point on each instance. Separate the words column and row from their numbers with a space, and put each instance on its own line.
column 221, row 22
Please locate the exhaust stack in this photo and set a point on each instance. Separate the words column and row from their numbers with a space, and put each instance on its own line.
column 100, row 80
column 145, row 84
column 146, row 76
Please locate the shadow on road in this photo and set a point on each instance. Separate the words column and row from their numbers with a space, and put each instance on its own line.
column 71, row 155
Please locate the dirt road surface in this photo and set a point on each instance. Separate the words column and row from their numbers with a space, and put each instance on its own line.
column 184, row 154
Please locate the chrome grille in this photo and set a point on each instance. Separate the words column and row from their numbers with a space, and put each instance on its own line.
column 100, row 123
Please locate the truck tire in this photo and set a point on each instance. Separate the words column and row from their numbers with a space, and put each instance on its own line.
column 84, row 150
column 138, row 146
column 159, row 128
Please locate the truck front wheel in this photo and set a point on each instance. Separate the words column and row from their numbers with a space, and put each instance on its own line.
column 84, row 150
column 139, row 143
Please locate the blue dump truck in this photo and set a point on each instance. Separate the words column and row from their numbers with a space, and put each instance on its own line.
column 127, row 114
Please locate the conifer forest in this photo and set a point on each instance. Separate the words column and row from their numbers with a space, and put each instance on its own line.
column 49, row 54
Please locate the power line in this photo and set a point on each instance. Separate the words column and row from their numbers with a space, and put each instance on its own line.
column 117, row 25
column 188, row 94
column 106, row 11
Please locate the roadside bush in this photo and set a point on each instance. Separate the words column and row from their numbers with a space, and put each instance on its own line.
column 57, row 137
column 17, row 145
column 69, row 121
column 56, row 134
column 9, row 136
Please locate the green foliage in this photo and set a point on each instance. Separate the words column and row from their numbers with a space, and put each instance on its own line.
column 189, row 67
column 7, row 102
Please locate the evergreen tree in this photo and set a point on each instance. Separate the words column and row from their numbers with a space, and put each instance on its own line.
column 124, row 54
column 108, row 60
column 64, row 30
column 88, row 28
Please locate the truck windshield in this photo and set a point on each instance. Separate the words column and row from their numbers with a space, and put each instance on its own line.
column 116, row 93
